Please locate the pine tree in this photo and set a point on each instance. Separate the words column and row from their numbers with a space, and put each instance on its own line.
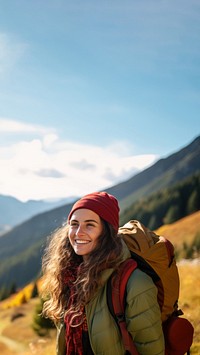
column 23, row 299
column 34, row 292
column 193, row 203
column 172, row 215
column 40, row 324
column 4, row 293
column 13, row 288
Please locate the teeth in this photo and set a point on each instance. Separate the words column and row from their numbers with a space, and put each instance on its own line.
column 82, row 241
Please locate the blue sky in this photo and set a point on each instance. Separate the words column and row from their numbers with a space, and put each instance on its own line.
column 91, row 92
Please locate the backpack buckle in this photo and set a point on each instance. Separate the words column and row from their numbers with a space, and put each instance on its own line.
column 120, row 317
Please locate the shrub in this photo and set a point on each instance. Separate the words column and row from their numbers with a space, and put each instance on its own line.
column 40, row 324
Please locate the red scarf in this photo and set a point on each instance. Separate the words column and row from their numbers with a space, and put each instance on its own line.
column 74, row 333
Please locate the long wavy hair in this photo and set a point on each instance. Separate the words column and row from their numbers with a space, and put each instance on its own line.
column 59, row 257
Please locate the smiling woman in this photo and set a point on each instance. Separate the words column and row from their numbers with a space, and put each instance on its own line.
column 85, row 229
column 77, row 265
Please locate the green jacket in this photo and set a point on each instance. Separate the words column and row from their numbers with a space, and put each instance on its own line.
column 142, row 318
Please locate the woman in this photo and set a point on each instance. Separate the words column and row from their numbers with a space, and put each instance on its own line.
column 80, row 259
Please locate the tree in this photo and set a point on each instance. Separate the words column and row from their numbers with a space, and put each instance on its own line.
column 40, row 324
column 34, row 292
column 23, row 299
column 153, row 223
column 172, row 215
column 13, row 288
column 4, row 293
column 193, row 202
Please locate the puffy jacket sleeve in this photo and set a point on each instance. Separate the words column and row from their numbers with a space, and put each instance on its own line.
column 143, row 316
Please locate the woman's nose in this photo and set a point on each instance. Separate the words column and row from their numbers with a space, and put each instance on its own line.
column 79, row 230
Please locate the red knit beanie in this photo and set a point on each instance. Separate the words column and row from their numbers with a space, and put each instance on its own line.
column 102, row 203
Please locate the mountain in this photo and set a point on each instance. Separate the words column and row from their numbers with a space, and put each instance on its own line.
column 166, row 205
column 164, row 173
column 14, row 212
column 21, row 248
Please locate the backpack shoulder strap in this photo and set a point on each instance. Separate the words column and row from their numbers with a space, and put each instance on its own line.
column 118, row 287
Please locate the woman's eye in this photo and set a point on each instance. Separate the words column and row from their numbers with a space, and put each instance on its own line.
column 74, row 225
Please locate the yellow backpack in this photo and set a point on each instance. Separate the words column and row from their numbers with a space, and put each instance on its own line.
column 154, row 255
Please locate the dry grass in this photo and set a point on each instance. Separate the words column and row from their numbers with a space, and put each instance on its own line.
column 189, row 300
column 181, row 231
column 18, row 337
column 4, row 350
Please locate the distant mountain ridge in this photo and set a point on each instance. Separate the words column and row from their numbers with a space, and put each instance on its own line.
column 21, row 248
column 14, row 212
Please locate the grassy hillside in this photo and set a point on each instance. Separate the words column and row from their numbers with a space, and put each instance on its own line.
column 183, row 230
column 17, row 336
column 189, row 298
column 184, row 233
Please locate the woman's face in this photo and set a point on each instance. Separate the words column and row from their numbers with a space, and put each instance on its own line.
column 84, row 231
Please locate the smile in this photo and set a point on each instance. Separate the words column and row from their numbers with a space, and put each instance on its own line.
column 80, row 241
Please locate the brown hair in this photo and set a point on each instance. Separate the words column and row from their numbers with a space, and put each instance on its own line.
column 58, row 258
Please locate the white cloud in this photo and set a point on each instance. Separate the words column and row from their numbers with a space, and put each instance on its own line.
column 47, row 167
column 12, row 126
